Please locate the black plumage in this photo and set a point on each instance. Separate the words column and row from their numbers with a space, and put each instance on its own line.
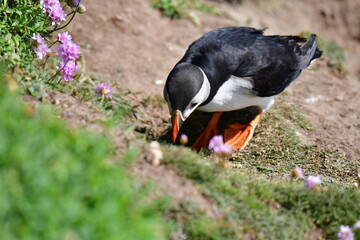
column 270, row 62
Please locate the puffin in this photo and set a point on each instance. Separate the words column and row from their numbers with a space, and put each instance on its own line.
column 233, row 68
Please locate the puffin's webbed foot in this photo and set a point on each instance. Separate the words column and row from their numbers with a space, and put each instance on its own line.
column 237, row 127
column 239, row 135
column 210, row 131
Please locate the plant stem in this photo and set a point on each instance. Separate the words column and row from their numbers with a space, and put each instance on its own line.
column 72, row 17
column 57, row 72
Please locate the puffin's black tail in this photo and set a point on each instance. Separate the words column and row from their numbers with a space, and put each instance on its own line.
column 308, row 52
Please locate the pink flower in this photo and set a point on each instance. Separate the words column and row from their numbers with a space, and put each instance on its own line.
column 67, row 70
column 57, row 15
column 312, row 181
column 40, row 47
column 215, row 141
column 223, row 149
column 76, row 2
column 42, row 51
column 104, row 90
column 47, row 5
column 54, row 10
column 68, row 51
column 64, row 37
column 297, row 173
column 37, row 39
column 217, row 145
column 345, row 233
column 357, row 225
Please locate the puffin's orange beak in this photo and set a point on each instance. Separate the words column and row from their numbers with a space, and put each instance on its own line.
column 177, row 121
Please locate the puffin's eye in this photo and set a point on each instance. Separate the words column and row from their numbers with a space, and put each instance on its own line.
column 193, row 104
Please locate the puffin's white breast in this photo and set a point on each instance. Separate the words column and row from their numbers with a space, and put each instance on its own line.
column 236, row 94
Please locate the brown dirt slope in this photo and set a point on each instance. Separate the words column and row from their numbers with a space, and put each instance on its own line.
column 132, row 44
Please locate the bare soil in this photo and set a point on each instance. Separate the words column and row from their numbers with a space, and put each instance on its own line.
column 130, row 43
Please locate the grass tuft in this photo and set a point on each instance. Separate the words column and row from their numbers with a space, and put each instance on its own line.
column 276, row 148
column 183, row 8
column 61, row 184
column 255, row 195
column 252, row 207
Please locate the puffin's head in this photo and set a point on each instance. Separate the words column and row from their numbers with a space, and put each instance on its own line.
column 186, row 88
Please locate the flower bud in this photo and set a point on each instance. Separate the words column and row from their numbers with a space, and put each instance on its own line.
column 81, row 8
column 312, row 181
column 183, row 139
column 297, row 173
column 345, row 233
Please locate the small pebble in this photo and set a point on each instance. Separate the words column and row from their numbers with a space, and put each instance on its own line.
column 159, row 82
column 339, row 98
column 155, row 154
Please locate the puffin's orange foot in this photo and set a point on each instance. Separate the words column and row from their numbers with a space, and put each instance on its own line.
column 238, row 135
column 210, row 131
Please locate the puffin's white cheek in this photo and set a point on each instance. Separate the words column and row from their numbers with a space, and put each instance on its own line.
column 187, row 112
column 189, row 109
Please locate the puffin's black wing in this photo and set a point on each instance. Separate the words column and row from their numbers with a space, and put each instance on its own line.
column 270, row 62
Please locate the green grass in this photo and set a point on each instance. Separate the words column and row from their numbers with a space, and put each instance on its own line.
column 262, row 209
column 19, row 20
column 255, row 194
column 53, row 186
column 61, row 184
column 276, row 148
column 183, row 8
column 84, row 87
